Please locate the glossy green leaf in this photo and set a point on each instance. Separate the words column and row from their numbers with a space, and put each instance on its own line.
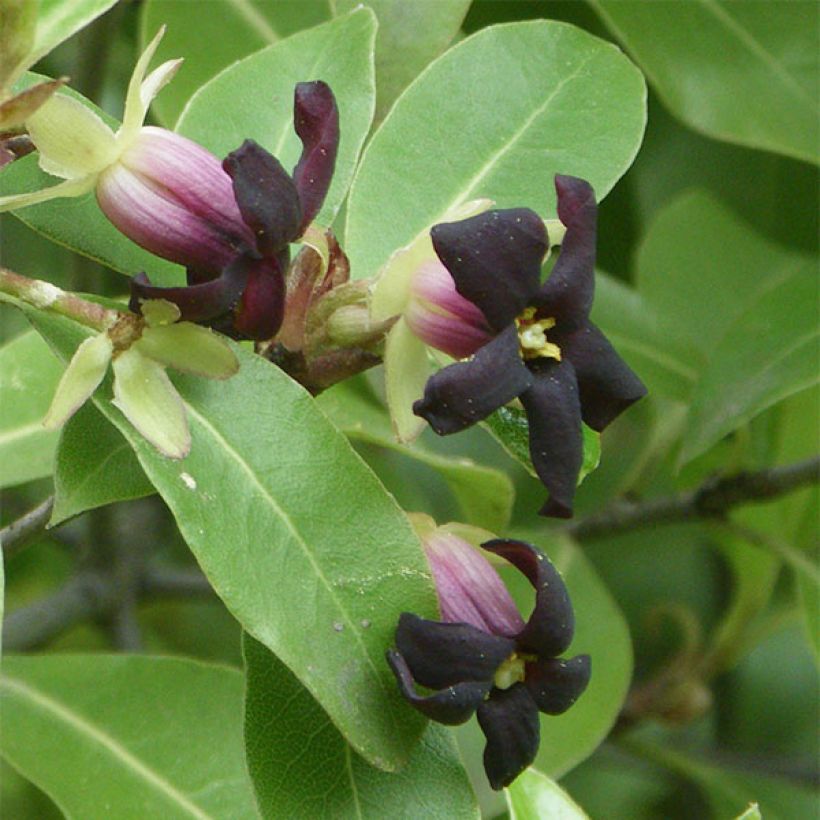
column 254, row 97
column 302, row 767
column 95, row 466
column 18, row 19
column 296, row 535
column 768, row 353
column 77, row 222
column 410, row 36
column 496, row 116
column 29, row 373
column 484, row 494
column 232, row 29
column 533, row 796
column 750, row 75
column 160, row 737
column 509, row 426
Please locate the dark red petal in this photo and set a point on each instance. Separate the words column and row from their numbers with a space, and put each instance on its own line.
column 495, row 260
column 451, row 706
column 266, row 196
column 551, row 626
column 442, row 654
column 606, row 384
column 509, row 720
column 467, row 392
column 567, row 294
column 316, row 120
column 259, row 313
column 556, row 443
column 197, row 303
column 556, row 684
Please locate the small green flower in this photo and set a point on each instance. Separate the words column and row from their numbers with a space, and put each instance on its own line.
column 140, row 348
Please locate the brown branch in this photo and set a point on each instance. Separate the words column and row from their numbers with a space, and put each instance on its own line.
column 714, row 499
column 26, row 528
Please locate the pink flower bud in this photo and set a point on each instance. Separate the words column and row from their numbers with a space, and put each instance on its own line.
column 171, row 196
column 441, row 317
column 468, row 587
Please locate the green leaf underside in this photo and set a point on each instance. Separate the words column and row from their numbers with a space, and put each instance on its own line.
column 172, row 748
column 29, row 373
column 328, row 555
column 533, row 796
column 484, row 494
column 232, row 29
column 302, row 767
column 254, row 97
column 496, row 116
column 750, row 76
column 95, row 466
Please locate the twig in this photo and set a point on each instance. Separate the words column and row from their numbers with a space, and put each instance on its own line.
column 22, row 531
column 713, row 499
column 170, row 582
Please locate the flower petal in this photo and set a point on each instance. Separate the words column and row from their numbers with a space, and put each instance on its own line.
column 83, row 375
column 146, row 397
column 70, row 187
column 441, row 654
column 136, row 103
column 509, row 720
column 551, row 626
column 556, row 444
column 262, row 306
column 606, row 384
column 189, row 348
column 316, row 120
column 567, row 294
column 451, row 706
column 406, row 370
column 495, row 260
column 266, row 196
column 467, row 392
column 555, row 684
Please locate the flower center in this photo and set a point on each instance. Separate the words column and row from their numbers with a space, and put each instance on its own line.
column 532, row 336
column 511, row 671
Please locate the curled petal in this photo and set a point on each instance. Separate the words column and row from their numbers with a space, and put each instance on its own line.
column 606, row 383
column 568, row 292
column 495, row 260
column 553, row 411
column 261, row 308
column 441, row 654
column 467, row 392
column 452, row 705
column 202, row 302
column 316, row 120
column 138, row 99
column 266, row 196
column 509, row 720
column 555, row 684
column 551, row 626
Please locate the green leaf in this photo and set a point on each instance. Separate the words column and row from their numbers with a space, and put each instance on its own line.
column 302, row 767
column 78, row 223
column 29, row 373
column 254, row 97
column 768, row 353
column 296, row 535
column 807, row 587
column 533, row 796
column 410, row 36
column 162, row 736
column 18, row 19
column 95, row 466
column 484, row 494
column 749, row 76
column 752, row 813
column 210, row 42
column 509, row 426
column 496, row 116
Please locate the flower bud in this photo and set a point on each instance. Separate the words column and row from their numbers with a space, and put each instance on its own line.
column 441, row 317
column 172, row 197
column 468, row 587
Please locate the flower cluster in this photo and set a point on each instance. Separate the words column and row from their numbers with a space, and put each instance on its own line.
column 482, row 658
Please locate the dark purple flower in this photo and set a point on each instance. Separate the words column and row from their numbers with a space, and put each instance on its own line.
column 230, row 225
column 544, row 349
column 483, row 658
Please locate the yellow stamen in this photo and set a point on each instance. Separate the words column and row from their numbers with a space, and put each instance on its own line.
column 510, row 672
column 533, row 338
